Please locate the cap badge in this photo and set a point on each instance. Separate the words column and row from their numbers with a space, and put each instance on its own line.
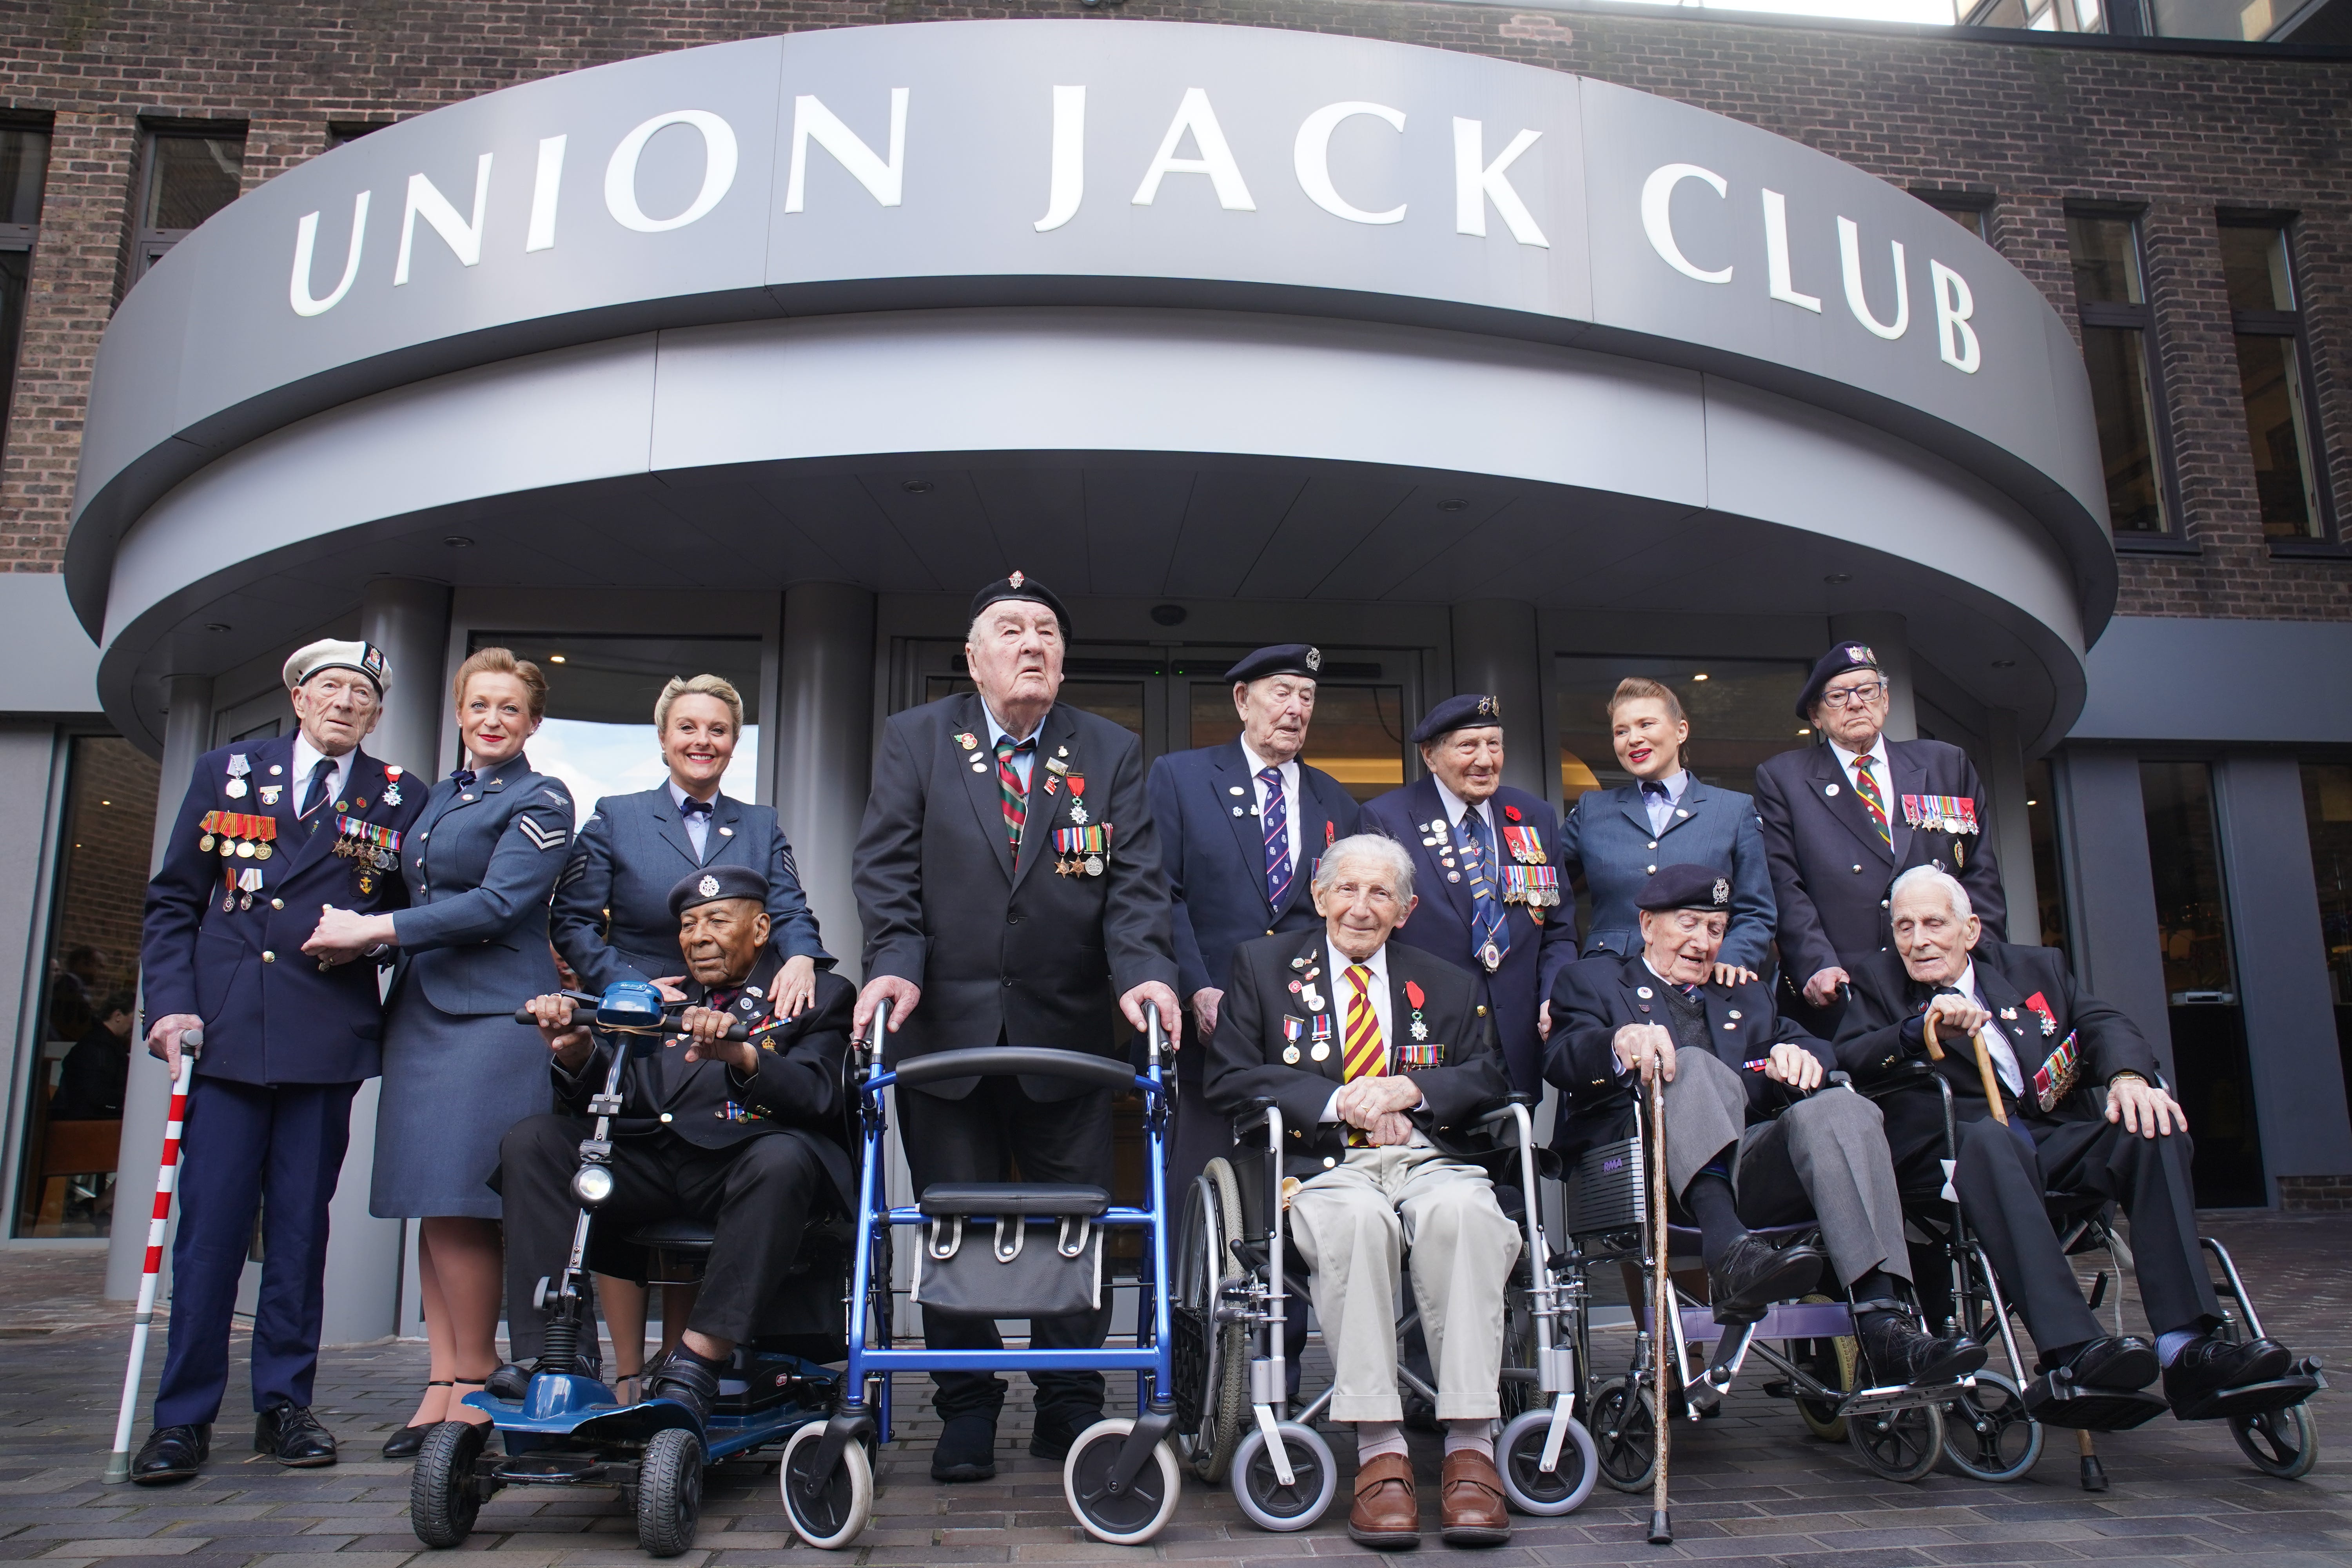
column 1013, row 577
column 1859, row 653
column 1314, row 658
column 1490, row 708
column 707, row 887
column 1722, row 891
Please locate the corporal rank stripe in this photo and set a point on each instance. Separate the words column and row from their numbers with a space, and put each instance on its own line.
column 546, row 839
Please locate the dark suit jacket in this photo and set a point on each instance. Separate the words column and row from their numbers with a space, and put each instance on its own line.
column 1882, row 1030
column 1008, row 949
column 279, row 1018
column 797, row 1092
column 479, row 866
column 1246, row 1059
column 1213, row 852
column 1831, row 870
column 1441, row 925
column 1605, row 838
column 1594, row 999
column 612, row 920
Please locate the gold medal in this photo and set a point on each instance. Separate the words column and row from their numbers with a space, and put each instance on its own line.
column 1290, row 1055
column 228, row 846
column 205, row 844
column 245, row 850
column 261, row 851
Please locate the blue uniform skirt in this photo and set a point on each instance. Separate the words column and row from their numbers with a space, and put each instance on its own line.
column 453, row 1086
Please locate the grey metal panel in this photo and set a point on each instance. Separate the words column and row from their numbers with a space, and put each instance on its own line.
column 47, row 663
column 2162, row 679
column 2103, row 834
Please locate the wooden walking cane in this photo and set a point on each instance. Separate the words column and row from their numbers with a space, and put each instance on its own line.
column 167, row 1180
column 1984, row 1066
column 1662, row 1304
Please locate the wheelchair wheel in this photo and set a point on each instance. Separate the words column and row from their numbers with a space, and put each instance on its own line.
column 669, row 1492
column 843, row 1502
column 1900, row 1445
column 1259, row 1490
column 1624, row 1429
column 1531, row 1488
column 2282, row 1443
column 1988, row 1436
column 442, row 1498
column 1212, row 1359
column 1830, row 1363
column 1135, row 1513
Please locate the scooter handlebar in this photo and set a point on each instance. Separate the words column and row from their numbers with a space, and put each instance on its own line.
column 735, row 1031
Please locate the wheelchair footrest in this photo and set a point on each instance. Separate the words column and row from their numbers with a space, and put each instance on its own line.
column 2056, row 1400
column 2301, row 1383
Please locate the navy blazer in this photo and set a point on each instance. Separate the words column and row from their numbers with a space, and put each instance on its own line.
column 1441, row 925
column 1594, row 999
column 271, row 1015
column 481, row 865
column 612, row 920
column 1213, row 852
column 1831, row 870
column 1605, row 838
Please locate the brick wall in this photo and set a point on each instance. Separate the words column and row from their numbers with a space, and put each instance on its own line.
column 2034, row 128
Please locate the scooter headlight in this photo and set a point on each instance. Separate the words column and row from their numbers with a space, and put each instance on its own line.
column 592, row 1184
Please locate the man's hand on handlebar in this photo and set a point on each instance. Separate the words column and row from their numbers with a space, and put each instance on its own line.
column 705, row 1029
column 904, row 996
column 163, row 1037
column 569, row 1041
column 1161, row 997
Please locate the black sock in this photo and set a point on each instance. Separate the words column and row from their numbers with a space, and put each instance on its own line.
column 1708, row 1200
column 1878, row 1285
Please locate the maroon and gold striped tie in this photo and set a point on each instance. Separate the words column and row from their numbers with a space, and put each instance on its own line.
column 1364, row 1054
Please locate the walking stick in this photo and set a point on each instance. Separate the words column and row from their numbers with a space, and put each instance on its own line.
column 167, row 1179
column 1984, row 1067
column 1661, row 1303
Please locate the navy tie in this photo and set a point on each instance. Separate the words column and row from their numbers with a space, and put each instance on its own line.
column 316, row 791
column 1491, row 929
column 1276, row 816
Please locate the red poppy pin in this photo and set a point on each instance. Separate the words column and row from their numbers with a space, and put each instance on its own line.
column 1412, row 992
column 1512, row 811
column 1331, row 832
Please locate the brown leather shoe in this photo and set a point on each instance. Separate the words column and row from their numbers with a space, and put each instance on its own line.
column 1470, row 1510
column 1386, row 1515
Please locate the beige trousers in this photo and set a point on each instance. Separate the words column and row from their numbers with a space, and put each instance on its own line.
column 1351, row 1225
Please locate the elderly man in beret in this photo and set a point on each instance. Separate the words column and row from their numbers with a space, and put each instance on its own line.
column 1728, row 1062
column 746, row 1136
column 287, row 1042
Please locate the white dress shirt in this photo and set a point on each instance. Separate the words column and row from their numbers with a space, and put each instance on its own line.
column 1023, row 762
column 1336, row 965
column 1290, row 773
column 1882, row 772
column 1456, row 805
column 307, row 757
column 1662, row 807
column 698, row 825
column 2004, row 1058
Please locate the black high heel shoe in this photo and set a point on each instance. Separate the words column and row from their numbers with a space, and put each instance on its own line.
column 405, row 1443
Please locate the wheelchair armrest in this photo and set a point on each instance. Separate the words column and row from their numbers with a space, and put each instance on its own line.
column 1521, row 1097
column 1253, row 1119
column 1910, row 1075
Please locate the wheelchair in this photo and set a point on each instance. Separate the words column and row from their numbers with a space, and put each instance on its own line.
column 1240, row 1319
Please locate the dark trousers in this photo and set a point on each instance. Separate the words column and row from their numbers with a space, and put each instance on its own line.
column 242, row 1144
column 756, row 1196
column 979, row 1139
column 1199, row 1134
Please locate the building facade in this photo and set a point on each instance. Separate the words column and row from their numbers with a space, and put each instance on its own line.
column 1489, row 347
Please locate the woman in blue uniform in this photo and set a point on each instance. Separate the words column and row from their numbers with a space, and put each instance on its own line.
column 480, row 863
column 1614, row 838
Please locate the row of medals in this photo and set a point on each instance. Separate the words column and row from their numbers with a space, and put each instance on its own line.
column 374, row 860
column 1071, row 866
column 238, row 849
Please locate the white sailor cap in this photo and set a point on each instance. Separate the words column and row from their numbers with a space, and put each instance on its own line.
column 330, row 654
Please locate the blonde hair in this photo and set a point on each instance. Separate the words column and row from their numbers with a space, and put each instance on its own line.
column 1642, row 689
column 717, row 686
column 503, row 661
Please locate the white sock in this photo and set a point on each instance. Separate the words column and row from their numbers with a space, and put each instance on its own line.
column 1478, row 1435
column 1374, row 1439
column 2169, row 1345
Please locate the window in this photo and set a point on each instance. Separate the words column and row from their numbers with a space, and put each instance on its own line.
column 24, row 168
column 1971, row 211
column 2041, row 16
column 2327, row 814
column 2117, row 323
column 342, row 132
column 2049, row 885
column 2273, row 379
column 1741, row 711
column 191, row 174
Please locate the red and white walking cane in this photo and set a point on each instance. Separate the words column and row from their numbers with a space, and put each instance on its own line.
column 167, row 1180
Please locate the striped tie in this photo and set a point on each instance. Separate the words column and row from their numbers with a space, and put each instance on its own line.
column 1008, row 781
column 1277, row 815
column 1865, row 784
column 1492, row 929
column 1365, row 1055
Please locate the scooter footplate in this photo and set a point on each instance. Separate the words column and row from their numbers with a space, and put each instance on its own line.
column 2056, row 1403
column 2255, row 1399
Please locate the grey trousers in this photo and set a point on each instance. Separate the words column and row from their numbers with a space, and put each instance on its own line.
column 1824, row 1158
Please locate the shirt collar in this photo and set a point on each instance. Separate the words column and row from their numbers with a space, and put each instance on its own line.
column 1672, row 984
column 1967, row 983
column 1877, row 753
column 1258, row 764
column 1676, row 783
column 997, row 732
column 678, row 796
column 1456, row 805
column 1378, row 964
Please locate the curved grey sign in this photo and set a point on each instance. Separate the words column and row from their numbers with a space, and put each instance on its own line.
column 1085, row 162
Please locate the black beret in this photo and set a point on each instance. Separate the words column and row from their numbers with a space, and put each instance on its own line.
column 1684, row 887
column 1472, row 709
column 713, row 883
column 1284, row 658
column 1021, row 586
column 1836, row 662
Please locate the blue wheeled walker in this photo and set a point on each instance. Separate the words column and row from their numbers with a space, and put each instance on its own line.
column 570, row 1430
column 1120, row 1477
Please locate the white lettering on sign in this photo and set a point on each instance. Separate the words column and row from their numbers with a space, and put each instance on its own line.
column 1850, row 264
column 463, row 237
column 1776, row 255
column 1956, row 340
column 719, row 156
column 885, row 182
column 1310, row 158
column 1066, row 185
column 1216, row 160
column 1476, row 182
column 1657, row 218
column 545, row 187
column 306, row 239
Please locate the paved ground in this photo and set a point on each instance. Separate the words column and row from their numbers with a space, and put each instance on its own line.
column 1752, row 1488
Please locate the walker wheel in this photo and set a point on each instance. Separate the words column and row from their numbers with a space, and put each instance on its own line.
column 1531, row 1488
column 443, row 1499
column 2282, row 1443
column 843, row 1500
column 1988, row 1436
column 1901, row 1445
column 669, row 1492
column 1133, row 1514
column 1212, row 1358
column 1626, row 1434
column 1258, row 1487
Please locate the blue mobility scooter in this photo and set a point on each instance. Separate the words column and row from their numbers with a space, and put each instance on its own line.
column 1120, row 1477
column 570, row 1430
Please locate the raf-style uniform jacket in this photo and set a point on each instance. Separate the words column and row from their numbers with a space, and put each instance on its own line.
column 1031, row 951
column 1281, row 1005
column 1606, row 838
column 224, row 934
column 1594, row 999
column 479, row 864
column 1831, row 870
column 1543, row 940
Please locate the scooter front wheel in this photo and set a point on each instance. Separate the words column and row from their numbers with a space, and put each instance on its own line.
column 834, row 1511
column 1136, row 1512
column 669, row 1492
column 443, row 1500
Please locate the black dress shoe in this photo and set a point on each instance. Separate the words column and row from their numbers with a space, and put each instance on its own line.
column 1754, row 1274
column 2118, row 1361
column 1900, row 1352
column 1058, row 1429
column 692, row 1382
column 290, row 1434
column 408, row 1441
column 171, row 1455
column 967, row 1450
column 2212, row 1363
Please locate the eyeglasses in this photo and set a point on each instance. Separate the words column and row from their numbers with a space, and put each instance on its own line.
column 1863, row 695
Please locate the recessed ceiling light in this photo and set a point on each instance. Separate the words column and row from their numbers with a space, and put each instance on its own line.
column 2033, row 803
column 555, row 658
column 915, row 487
column 1700, row 676
column 459, row 541
column 1454, row 503
column 1838, row 579
column 2004, row 664
column 106, row 802
column 215, row 625
column 1804, row 731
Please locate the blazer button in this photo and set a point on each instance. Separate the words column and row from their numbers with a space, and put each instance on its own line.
column 277, row 903
column 1857, row 870
column 1008, row 982
column 1012, row 919
column 1652, row 870
column 1882, row 903
column 1654, row 843
column 665, row 1116
column 1329, row 1161
column 267, row 956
